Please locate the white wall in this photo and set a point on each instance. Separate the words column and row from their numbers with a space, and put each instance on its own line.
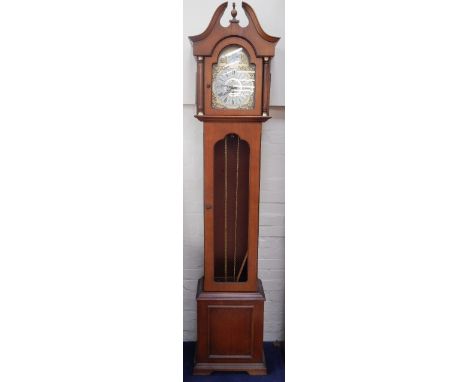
column 197, row 15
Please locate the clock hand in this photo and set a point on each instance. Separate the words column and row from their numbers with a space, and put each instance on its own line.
column 226, row 92
column 230, row 88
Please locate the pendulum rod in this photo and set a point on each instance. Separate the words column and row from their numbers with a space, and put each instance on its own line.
column 235, row 216
column 242, row 267
column 225, row 207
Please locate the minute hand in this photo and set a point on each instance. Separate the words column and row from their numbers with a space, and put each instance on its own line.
column 229, row 89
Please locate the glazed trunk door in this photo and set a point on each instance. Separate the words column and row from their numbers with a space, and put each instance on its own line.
column 232, row 179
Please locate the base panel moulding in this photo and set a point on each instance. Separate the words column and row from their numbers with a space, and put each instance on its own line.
column 250, row 368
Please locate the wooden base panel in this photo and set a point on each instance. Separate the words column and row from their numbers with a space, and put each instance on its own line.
column 230, row 331
column 206, row 368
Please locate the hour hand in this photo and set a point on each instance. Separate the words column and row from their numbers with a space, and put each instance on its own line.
column 228, row 90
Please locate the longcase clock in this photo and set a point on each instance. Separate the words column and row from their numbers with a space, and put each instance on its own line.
column 232, row 101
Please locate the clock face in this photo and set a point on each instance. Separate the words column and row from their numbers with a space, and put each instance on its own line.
column 233, row 83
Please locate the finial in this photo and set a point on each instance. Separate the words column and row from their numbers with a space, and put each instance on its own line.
column 233, row 14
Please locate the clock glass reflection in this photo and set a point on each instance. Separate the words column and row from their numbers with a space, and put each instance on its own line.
column 233, row 80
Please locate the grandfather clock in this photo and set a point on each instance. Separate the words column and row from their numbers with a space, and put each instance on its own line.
column 232, row 97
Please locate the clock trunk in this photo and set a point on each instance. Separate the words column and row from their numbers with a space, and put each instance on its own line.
column 231, row 189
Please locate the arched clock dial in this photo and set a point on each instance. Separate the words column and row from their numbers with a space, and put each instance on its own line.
column 233, row 84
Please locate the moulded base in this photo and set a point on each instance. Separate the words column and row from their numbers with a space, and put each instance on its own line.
column 206, row 368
